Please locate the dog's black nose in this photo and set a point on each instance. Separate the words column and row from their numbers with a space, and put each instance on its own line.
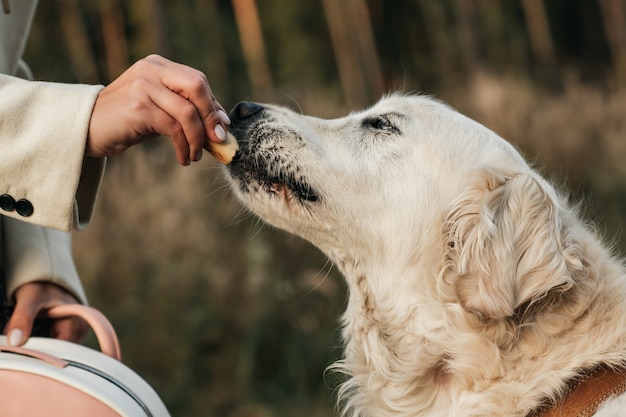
column 245, row 109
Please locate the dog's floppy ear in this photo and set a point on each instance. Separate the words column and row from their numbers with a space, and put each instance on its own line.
column 506, row 243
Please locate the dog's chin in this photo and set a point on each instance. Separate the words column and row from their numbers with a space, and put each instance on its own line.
column 276, row 199
column 254, row 182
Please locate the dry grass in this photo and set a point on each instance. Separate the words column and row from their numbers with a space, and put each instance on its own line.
column 581, row 130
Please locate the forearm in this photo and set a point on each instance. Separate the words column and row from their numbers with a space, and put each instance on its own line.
column 43, row 130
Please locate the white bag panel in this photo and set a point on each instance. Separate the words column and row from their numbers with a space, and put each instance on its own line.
column 105, row 378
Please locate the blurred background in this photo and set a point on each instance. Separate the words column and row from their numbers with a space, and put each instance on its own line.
column 225, row 316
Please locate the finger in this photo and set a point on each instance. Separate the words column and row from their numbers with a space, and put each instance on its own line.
column 158, row 121
column 187, row 82
column 223, row 116
column 181, row 147
column 189, row 123
column 193, row 85
column 219, row 121
column 20, row 325
column 72, row 329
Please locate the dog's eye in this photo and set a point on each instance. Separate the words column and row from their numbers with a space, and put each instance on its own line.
column 380, row 123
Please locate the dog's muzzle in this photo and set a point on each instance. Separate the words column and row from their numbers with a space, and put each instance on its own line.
column 262, row 161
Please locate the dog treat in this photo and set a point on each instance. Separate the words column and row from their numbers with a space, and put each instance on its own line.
column 225, row 151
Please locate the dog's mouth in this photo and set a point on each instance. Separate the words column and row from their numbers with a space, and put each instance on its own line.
column 265, row 161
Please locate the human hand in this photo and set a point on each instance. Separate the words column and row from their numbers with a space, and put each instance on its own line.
column 30, row 300
column 155, row 97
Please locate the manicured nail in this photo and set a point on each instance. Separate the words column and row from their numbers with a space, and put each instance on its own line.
column 15, row 338
column 220, row 132
column 198, row 155
column 187, row 161
column 223, row 117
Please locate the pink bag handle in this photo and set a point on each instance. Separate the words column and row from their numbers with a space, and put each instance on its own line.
column 107, row 339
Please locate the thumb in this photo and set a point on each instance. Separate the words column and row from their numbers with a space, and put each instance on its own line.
column 21, row 323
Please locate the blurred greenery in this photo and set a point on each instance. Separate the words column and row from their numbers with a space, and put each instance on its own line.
column 225, row 316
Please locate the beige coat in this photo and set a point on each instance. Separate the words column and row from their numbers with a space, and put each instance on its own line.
column 43, row 128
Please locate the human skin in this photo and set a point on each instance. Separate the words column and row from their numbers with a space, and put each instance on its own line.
column 31, row 300
column 155, row 97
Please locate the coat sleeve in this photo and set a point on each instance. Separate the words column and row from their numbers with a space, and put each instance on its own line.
column 35, row 253
column 45, row 179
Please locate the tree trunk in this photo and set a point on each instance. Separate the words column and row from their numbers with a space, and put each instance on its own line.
column 363, row 38
column 208, row 21
column 76, row 39
column 253, row 47
column 539, row 31
column 114, row 37
column 350, row 74
column 614, row 18
column 438, row 31
column 147, row 19
column 468, row 34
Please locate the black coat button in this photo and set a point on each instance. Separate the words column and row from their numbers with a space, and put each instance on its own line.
column 24, row 207
column 7, row 203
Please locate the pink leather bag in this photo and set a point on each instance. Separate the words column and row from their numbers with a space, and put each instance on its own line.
column 55, row 378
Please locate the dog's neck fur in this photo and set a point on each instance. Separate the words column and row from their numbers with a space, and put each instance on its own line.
column 438, row 359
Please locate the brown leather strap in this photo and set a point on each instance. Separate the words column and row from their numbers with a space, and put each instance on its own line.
column 586, row 393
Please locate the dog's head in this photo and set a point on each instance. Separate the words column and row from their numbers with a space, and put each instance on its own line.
column 408, row 181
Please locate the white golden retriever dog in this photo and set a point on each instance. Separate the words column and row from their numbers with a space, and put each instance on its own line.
column 475, row 288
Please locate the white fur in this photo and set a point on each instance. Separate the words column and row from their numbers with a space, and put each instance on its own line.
column 475, row 288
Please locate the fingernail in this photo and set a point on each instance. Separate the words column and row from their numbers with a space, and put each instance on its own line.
column 198, row 155
column 187, row 161
column 220, row 132
column 15, row 338
column 223, row 117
